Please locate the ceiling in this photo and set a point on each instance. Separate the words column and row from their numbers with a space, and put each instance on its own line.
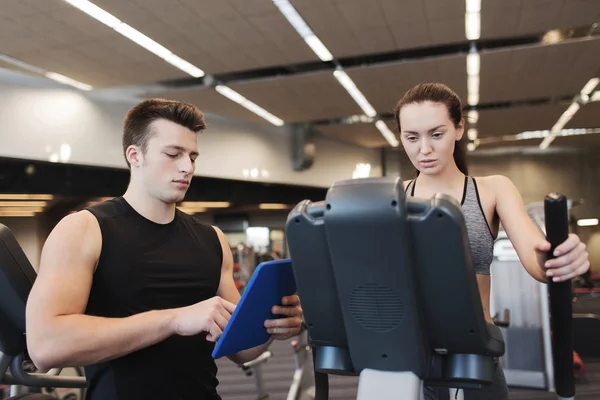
column 535, row 57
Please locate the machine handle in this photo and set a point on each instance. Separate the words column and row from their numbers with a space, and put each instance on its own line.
column 561, row 313
column 505, row 322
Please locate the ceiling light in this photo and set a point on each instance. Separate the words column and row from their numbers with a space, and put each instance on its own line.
column 473, row 6
column 471, row 146
column 16, row 213
column 473, row 116
column 473, row 98
column 570, row 112
column 356, row 94
column 590, row 86
column 21, row 64
column 563, row 132
column 319, row 48
column 51, row 75
column 137, row 37
column 298, row 23
column 473, row 84
column 192, row 210
column 23, row 204
column 205, row 204
column 273, row 206
column 595, row 96
column 387, row 133
column 547, row 142
column 587, row 222
column 472, row 134
column 244, row 102
column 472, row 26
column 473, row 64
column 26, row 197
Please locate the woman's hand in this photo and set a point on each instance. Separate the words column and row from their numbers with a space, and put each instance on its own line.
column 571, row 260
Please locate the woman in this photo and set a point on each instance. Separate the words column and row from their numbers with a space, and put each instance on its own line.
column 430, row 122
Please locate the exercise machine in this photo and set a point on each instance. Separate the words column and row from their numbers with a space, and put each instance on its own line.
column 390, row 295
column 16, row 279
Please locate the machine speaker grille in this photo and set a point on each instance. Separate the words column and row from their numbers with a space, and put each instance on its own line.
column 376, row 307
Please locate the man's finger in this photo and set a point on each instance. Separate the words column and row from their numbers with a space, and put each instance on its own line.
column 228, row 306
column 287, row 311
column 214, row 333
column 283, row 322
column 292, row 300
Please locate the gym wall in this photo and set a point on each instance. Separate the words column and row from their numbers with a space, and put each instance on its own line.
column 38, row 116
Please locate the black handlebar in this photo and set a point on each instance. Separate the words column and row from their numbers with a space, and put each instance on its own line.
column 561, row 314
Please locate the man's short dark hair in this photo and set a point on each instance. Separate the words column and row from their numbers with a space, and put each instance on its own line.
column 137, row 127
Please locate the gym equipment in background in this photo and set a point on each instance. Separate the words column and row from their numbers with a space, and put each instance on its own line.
column 16, row 279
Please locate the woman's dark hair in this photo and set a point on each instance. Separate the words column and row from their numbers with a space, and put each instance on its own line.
column 438, row 93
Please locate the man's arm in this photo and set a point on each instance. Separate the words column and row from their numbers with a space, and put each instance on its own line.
column 58, row 332
column 280, row 329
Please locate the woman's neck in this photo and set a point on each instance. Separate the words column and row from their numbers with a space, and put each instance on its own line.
column 447, row 179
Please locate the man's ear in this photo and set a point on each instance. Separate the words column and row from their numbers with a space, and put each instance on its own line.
column 134, row 156
column 460, row 130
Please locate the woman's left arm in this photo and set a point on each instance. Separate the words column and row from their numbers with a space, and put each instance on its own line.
column 529, row 242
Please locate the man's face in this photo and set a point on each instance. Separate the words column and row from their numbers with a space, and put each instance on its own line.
column 167, row 167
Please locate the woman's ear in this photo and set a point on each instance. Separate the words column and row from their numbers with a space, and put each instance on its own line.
column 460, row 129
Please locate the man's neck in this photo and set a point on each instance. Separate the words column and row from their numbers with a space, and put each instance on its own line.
column 149, row 207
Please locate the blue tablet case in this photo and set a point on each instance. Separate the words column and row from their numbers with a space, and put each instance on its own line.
column 270, row 282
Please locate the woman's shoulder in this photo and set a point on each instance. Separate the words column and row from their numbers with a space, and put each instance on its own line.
column 493, row 180
column 495, row 185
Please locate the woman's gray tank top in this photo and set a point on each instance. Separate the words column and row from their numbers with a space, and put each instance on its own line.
column 481, row 239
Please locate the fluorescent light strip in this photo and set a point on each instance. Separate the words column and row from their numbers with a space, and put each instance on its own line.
column 296, row 20
column 473, row 6
column 244, row 102
column 473, row 63
column 67, row 81
column 473, row 116
column 472, row 134
column 51, row 75
column 570, row 112
column 473, row 25
column 590, row 86
column 595, row 96
column 290, row 13
column 587, row 222
column 387, row 133
column 26, row 197
column 136, row 36
column 563, row 132
column 356, row 94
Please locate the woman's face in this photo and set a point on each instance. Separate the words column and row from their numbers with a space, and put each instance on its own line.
column 429, row 135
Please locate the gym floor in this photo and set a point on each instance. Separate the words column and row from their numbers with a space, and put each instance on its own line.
column 278, row 371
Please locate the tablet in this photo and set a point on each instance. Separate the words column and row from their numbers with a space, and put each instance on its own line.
column 270, row 282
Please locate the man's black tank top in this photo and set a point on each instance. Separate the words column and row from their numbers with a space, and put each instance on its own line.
column 147, row 266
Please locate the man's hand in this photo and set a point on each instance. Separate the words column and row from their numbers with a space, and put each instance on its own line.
column 571, row 259
column 285, row 328
column 210, row 316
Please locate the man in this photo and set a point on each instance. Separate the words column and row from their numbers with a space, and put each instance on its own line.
column 136, row 290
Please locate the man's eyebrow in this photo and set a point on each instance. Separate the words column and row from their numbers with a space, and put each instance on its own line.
column 180, row 148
